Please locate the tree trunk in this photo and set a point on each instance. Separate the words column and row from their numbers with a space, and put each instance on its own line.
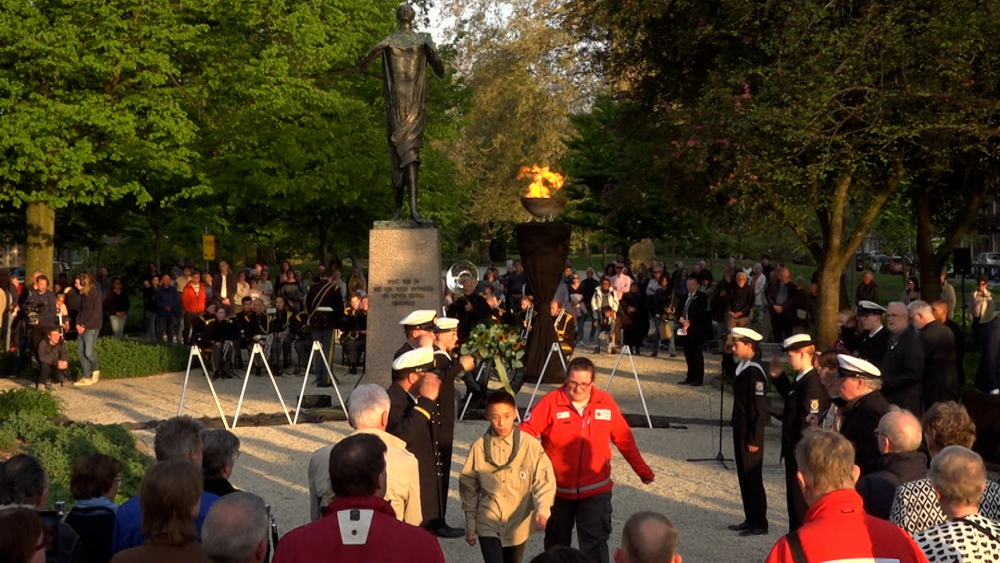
column 157, row 247
column 829, row 303
column 484, row 252
column 41, row 221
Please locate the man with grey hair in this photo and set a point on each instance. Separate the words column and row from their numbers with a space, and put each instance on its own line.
column 902, row 365
column 648, row 537
column 940, row 378
column 898, row 436
column 368, row 406
column 221, row 448
column 959, row 478
column 176, row 438
column 235, row 530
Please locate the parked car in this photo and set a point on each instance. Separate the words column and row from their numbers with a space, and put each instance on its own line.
column 987, row 264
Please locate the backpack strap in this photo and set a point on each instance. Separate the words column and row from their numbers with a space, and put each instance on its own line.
column 795, row 546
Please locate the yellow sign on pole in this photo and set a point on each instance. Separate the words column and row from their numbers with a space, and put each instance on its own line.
column 208, row 245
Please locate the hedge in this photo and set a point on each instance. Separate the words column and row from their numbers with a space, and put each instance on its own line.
column 28, row 426
column 119, row 358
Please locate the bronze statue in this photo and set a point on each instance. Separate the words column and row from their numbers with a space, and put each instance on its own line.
column 405, row 56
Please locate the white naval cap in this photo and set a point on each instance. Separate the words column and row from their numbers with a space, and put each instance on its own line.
column 416, row 360
column 849, row 366
column 796, row 341
column 741, row 333
column 444, row 324
column 421, row 318
column 870, row 308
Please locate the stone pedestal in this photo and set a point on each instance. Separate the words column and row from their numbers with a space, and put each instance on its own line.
column 404, row 273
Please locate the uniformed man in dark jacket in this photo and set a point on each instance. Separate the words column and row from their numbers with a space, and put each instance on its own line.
column 903, row 364
column 413, row 410
column 940, row 378
column 750, row 416
column 447, row 367
column 324, row 307
column 804, row 396
column 859, row 386
column 875, row 338
column 418, row 327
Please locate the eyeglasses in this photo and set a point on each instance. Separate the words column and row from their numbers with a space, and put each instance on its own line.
column 578, row 385
column 878, row 433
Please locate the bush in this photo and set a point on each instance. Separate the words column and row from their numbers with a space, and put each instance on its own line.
column 26, row 425
column 119, row 359
column 122, row 359
column 16, row 401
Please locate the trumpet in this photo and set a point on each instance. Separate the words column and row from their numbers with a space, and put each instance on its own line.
column 458, row 273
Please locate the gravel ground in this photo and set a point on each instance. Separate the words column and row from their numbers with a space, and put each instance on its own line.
column 699, row 498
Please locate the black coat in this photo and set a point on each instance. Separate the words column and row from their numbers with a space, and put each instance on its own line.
column 988, row 377
column 940, row 378
column 415, row 423
column 750, row 414
column 872, row 347
column 802, row 398
column 878, row 489
column 701, row 323
column 230, row 288
column 859, row 422
column 903, row 370
column 467, row 320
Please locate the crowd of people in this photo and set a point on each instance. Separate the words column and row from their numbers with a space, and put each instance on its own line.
column 874, row 442
column 225, row 313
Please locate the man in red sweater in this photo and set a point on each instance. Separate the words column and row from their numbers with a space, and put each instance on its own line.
column 577, row 424
column 359, row 525
column 836, row 526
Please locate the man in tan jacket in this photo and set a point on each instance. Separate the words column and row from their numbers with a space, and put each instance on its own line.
column 368, row 409
column 506, row 483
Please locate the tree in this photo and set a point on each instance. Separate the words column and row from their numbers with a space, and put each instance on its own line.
column 526, row 77
column 821, row 102
column 85, row 93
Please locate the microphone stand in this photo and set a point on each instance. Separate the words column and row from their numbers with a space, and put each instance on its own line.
column 721, row 459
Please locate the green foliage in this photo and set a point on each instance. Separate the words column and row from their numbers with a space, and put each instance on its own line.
column 121, row 359
column 15, row 401
column 26, row 424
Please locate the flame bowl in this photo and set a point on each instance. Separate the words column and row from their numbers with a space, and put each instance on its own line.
column 544, row 207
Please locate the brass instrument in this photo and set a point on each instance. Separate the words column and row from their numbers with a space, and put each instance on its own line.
column 351, row 334
column 458, row 273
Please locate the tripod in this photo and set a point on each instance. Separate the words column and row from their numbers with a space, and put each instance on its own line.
column 558, row 352
column 722, row 395
column 626, row 350
column 196, row 353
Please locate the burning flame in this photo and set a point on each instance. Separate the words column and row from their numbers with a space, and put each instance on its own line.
column 543, row 180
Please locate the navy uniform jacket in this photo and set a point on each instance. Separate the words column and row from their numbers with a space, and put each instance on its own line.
column 858, row 425
column 750, row 414
column 802, row 398
column 415, row 422
column 872, row 348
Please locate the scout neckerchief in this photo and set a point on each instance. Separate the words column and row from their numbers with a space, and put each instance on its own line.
column 488, row 438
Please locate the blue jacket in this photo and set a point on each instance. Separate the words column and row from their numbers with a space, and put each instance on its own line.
column 128, row 523
column 167, row 297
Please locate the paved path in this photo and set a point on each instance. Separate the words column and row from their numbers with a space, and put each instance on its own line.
column 700, row 498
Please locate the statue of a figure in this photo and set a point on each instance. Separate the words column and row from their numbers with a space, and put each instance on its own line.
column 405, row 56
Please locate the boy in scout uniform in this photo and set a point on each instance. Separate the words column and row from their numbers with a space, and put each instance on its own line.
column 750, row 416
column 804, row 396
column 507, row 478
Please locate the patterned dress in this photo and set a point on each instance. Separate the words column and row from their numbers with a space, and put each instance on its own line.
column 915, row 507
column 966, row 540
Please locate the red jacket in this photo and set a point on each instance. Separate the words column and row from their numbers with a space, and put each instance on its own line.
column 837, row 528
column 580, row 446
column 193, row 302
column 384, row 540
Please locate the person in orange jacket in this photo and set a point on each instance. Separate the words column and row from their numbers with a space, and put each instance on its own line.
column 193, row 301
column 577, row 424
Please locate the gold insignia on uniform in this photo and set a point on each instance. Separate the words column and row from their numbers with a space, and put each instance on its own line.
column 814, row 406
